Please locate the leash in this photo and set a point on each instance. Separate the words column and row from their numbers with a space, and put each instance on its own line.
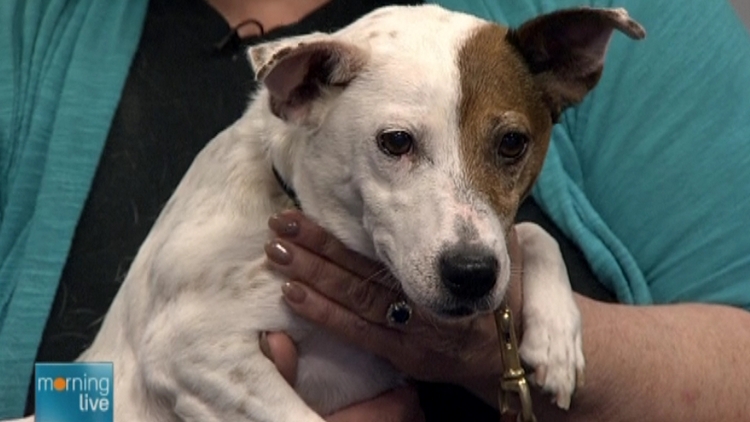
column 513, row 380
column 286, row 188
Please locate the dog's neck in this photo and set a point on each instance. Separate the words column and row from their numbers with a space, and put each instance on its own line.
column 288, row 190
column 282, row 146
column 276, row 141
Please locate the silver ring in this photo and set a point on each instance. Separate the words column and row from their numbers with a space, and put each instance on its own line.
column 399, row 313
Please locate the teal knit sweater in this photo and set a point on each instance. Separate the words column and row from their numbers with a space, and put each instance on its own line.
column 63, row 64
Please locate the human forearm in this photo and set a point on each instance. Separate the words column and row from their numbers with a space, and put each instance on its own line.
column 660, row 363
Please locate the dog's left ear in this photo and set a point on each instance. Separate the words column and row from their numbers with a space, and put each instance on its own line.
column 295, row 71
column 565, row 50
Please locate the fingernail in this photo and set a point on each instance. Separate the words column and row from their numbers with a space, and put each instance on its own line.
column 264, row 347
column 278, row 252
column 284, row 225
column 294, row 292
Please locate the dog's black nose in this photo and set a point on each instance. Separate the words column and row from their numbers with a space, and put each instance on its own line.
column 468, row 273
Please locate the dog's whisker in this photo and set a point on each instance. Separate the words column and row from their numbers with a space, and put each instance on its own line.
column 379, row 276
column 384, row 278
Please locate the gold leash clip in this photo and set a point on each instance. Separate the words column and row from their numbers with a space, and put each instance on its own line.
column 514, row 377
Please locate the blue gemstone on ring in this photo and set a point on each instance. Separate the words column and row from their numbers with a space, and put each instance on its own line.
column 399, row 313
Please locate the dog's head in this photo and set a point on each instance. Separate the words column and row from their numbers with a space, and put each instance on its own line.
column 414, row 134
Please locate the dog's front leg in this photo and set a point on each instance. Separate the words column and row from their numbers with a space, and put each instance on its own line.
column 551, row 341
column 205, row 364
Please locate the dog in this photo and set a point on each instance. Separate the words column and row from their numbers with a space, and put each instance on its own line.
column 412, row 135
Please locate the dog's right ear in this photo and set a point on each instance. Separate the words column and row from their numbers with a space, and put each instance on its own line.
column 296, row 70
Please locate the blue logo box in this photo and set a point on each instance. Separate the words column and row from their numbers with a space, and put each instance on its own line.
column 74, row 392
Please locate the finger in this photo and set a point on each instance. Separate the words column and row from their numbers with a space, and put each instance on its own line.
column 342, row 322
column 398, row 405
column 369, row 300
column 294, row 226
column 280, row 349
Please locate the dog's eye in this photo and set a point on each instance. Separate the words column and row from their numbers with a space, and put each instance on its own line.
column 396, row 143
column 512, row 145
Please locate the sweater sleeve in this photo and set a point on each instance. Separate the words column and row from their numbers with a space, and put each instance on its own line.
column 63, row 67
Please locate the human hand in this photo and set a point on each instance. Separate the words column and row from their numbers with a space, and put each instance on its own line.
column 398, row 405
column 349, row 294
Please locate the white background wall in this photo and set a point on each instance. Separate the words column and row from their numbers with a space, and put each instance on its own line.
column 743, row 8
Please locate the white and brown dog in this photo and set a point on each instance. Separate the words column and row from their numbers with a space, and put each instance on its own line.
column 412, row 135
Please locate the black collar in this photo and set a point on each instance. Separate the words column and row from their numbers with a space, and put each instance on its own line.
column 286, row 188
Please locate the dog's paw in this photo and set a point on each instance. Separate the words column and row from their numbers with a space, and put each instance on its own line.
column 552, row 345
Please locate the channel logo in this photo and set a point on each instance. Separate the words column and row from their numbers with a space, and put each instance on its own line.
column 74, row 392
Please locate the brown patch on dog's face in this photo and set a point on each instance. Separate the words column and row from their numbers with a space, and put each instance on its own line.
column 499, row 98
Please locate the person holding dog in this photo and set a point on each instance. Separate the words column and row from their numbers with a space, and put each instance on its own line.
column 652, row 362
